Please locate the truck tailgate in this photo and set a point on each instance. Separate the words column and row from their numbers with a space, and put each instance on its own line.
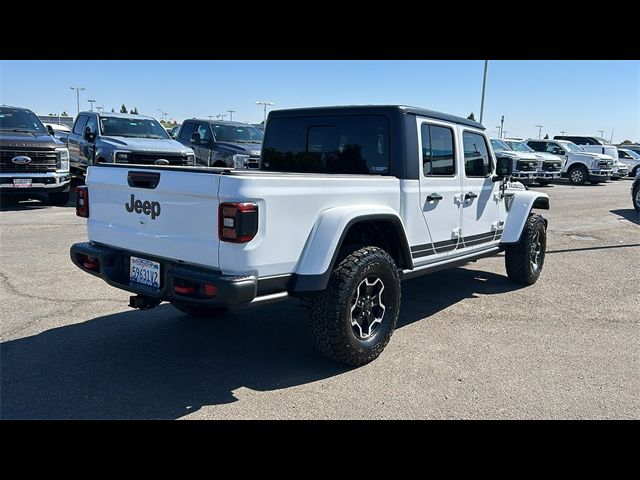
column 160, row 212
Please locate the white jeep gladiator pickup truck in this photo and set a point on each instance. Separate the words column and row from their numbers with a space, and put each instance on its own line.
column 348, row 202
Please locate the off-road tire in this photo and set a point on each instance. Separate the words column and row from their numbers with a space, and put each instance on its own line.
column 330, row 310
column 200, row 310
column 59, row 198
column 636, row 197
column 578, row 175
column 518, row 257
column 634, row 171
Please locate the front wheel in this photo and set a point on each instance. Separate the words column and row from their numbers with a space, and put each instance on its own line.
column 578, row 175
column 524, row 260
column 636, row 198
column 353, row 319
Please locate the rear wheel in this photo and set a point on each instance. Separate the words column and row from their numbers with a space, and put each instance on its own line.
column 525, row 259
column 636, row 197
column 59, row 198
column 353, row 319
column 200, row 310
column 634, row 172
column 578, row 175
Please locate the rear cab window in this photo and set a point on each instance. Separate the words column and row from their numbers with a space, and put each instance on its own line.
column 347, row 144
column 78, row 127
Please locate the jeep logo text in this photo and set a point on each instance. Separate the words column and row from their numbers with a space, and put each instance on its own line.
column 146, row 207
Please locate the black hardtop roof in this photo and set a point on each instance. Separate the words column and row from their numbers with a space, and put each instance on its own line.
column 374, row 109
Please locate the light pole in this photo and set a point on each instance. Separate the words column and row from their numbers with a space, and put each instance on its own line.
column 539, row 130
column 91, row 104
column 221, row 116
column 501, row 126
column 562, row 132
column 100, row 108
column 484, row 84
column 210, row 117
column 231, row 112
column 77, row 89
column 163, row 115
column 259, row 102
column 601, row 133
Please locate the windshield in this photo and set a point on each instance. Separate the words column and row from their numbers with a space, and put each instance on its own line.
column 132, row 127
column 632, row 154
column 499, row 145
column 519, row 146
column 14, row 120
column 237, row 134
column 571, row 147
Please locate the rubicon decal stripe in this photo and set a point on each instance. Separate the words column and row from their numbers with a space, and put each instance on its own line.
column 426, row 249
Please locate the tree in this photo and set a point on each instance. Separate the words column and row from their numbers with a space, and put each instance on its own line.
column 626, row 142
column 64, row 114
column 471, row 116
column 135, row 110
column 123, row 109
column 546, row 137
column 113, row 111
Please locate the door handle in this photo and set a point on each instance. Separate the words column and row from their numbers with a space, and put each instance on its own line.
column 434, row 196
column 470, row 195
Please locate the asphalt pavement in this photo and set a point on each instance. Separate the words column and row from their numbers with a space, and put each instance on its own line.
column 469, row 343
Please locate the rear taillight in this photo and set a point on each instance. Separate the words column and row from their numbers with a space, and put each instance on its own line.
column 237, row 222
column 82, row 201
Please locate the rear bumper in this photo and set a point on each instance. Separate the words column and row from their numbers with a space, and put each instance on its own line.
column 113, row 268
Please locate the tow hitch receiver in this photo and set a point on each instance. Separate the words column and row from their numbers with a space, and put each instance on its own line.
column 142, row 302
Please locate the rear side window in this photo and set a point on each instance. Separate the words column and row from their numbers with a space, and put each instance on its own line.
column 477, row 162
column 538, row 146
column 355, row 144
column 437, row 151
column 187, row 130
column 79, row 125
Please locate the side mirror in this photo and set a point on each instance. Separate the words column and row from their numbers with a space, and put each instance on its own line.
column 557, row 151
column 504, row 168
column 88, row 134
column 50, row 130
column 195, row 138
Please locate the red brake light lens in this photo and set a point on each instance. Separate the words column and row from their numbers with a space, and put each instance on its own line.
column 237, row 222
column 82, row 201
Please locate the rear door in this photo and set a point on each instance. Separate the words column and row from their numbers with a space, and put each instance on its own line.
column 479, row 199
column 439, row 190
column 161, row 212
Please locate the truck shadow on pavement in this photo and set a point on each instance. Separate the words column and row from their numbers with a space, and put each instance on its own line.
column 628, row 214
column 162, row 364
column 37, row 201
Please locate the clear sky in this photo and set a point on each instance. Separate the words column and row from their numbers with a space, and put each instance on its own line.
column 579, row 97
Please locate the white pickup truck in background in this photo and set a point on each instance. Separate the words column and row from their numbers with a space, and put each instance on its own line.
column 349, row 201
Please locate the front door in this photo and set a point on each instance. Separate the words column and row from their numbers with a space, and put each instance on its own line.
column 204, row 148
column 439, row 190
column 480, row 197
column 73, row 142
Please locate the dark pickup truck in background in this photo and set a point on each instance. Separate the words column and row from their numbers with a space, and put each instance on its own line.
column 32, row 160
column 123, row 138
column 222, row 144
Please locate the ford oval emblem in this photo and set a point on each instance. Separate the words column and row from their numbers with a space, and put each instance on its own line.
column 161, row 161
column 21, row 160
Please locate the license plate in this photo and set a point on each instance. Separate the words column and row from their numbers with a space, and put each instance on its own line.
column 144, row 272
column 21, row 182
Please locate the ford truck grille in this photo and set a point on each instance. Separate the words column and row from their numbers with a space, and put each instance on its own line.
column 151, row 158
column 42, row 161
column 605, row 164
column 526, row 166
column 551, row 166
